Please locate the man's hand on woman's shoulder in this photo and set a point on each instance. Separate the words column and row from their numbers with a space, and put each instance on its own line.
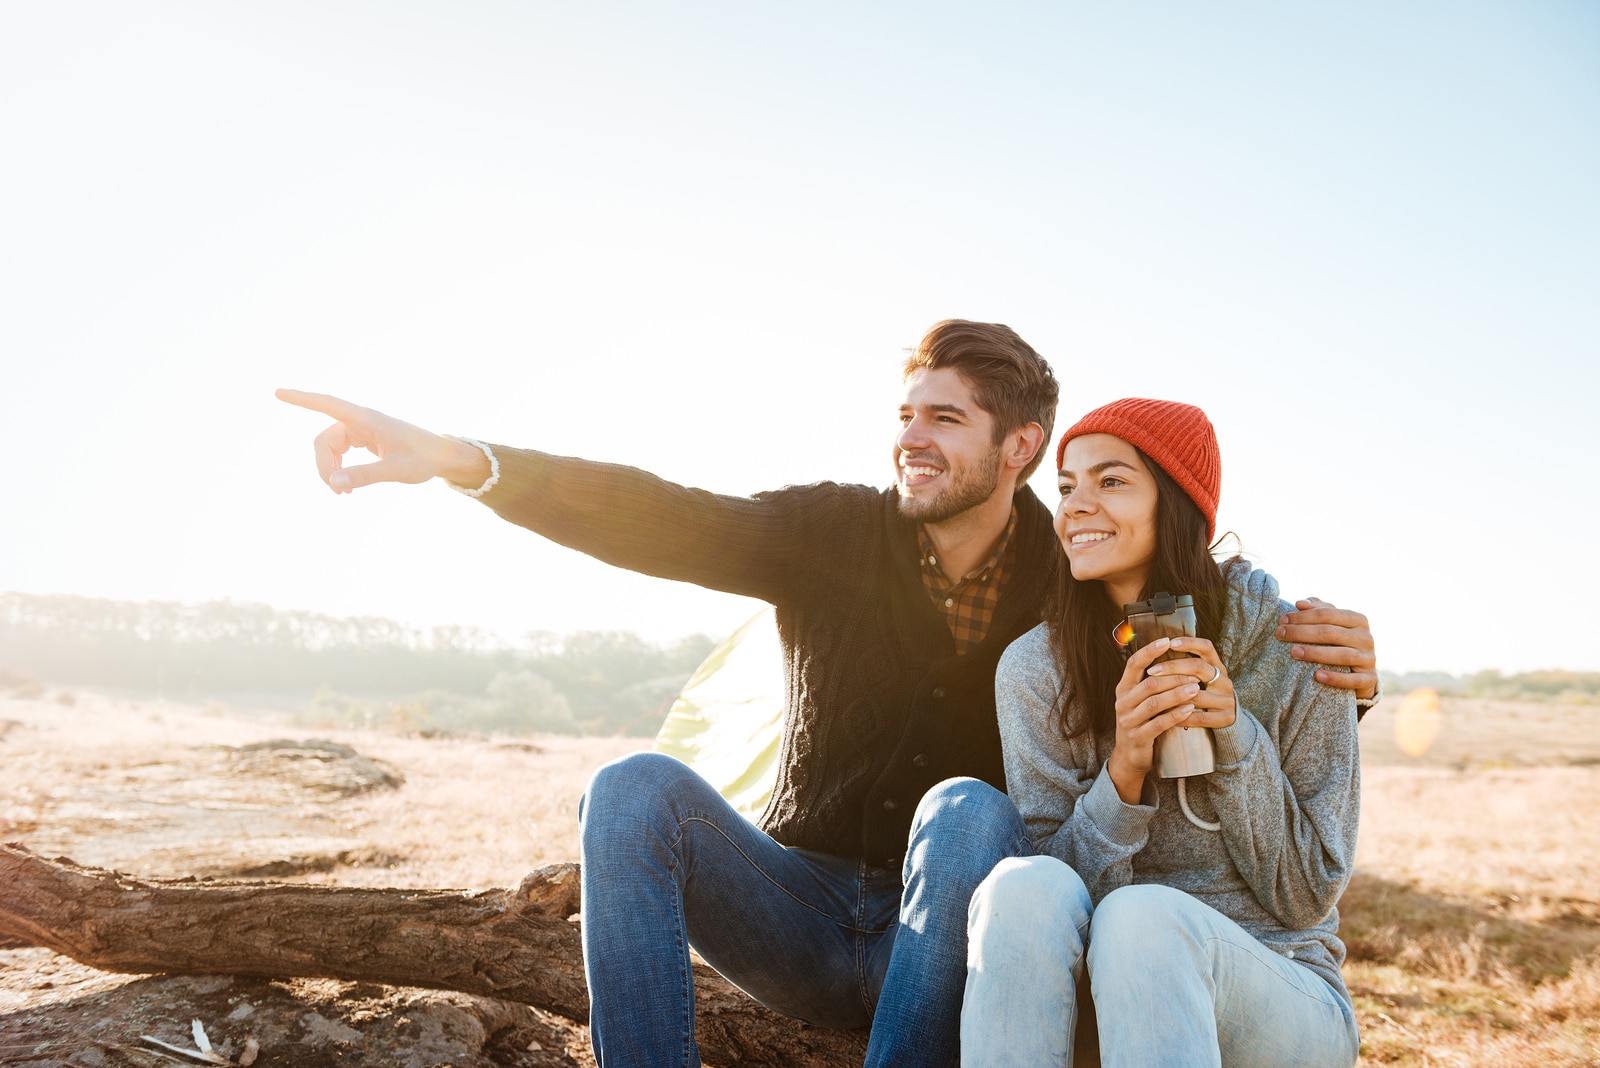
column 1323, row 634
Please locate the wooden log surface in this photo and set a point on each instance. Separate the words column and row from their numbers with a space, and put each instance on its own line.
column 518, row 944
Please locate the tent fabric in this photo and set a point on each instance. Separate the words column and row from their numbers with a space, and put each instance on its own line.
column 727, row 724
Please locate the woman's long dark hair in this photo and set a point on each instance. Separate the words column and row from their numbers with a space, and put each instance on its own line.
column 1082, row 616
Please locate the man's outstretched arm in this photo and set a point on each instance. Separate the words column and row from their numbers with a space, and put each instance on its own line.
column 406, row 453
column 1337, row 637
column 763, row 546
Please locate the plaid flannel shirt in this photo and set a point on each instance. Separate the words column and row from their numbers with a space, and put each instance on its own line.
column 968, row 605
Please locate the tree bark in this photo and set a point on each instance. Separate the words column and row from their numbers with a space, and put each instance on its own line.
column 518, row 944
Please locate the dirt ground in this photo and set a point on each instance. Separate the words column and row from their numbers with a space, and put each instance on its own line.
column 1473, row 921
column 168, row 790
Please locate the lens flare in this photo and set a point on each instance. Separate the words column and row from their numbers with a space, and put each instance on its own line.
column 1417, row 721
column 1122, row 633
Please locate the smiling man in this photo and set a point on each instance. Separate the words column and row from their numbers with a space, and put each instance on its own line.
column 846, row 904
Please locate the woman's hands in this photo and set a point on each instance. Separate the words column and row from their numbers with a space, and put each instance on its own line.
column 1190, row 691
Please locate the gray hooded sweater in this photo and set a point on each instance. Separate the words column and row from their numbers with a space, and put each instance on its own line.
column 1286, row 789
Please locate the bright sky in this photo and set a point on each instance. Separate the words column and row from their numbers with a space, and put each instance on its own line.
column 697, row 237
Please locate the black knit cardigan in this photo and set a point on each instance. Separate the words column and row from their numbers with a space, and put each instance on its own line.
column 879, row 706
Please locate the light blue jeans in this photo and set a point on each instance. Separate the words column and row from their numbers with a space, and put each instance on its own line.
column 1176, row 983
column 668, row 864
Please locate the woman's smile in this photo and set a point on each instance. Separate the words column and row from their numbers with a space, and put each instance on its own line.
column 1086, row 539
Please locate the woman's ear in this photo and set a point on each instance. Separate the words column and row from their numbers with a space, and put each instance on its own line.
column 1025, row 444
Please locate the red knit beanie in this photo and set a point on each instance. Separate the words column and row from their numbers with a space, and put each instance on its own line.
column 1176, row 436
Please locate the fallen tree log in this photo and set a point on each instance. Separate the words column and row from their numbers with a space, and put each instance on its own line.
column 518, row 944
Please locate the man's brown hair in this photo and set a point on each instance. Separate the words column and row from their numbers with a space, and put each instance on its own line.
column 1008, row 379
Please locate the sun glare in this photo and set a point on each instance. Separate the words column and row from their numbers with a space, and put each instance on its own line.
column 1417, row 721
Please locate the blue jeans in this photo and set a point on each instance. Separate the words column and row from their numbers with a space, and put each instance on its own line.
column 1176, row 983
column 829, row 940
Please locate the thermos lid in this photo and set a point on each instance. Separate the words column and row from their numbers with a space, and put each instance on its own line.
column 1160, row 604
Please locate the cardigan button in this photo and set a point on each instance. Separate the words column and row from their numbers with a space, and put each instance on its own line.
column 889, row 805
column 938, row 693
column 891, row 862
column 920, row 760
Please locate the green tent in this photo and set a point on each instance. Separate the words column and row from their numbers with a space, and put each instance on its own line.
column 727, row 723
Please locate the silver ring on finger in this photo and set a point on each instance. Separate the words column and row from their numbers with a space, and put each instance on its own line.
column 1216, row 673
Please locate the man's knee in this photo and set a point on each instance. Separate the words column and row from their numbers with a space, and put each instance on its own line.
column 961, row 829
column 633, row 787
column 967, row 806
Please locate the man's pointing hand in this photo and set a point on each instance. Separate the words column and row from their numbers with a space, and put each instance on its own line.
column 405, row 453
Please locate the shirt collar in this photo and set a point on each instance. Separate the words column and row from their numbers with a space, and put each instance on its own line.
column 930, row 557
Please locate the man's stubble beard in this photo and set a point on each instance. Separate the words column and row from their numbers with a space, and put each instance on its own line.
column 964, row 492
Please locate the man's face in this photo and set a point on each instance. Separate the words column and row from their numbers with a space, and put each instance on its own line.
column 945, row 458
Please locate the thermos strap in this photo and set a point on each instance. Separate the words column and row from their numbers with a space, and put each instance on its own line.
column 1183, row 803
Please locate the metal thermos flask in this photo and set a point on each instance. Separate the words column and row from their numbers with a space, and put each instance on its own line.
column 1181, row 751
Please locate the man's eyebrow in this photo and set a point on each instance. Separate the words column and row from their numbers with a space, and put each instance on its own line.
column 952, row 409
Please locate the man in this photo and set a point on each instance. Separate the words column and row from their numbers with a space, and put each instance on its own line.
column 847, row 907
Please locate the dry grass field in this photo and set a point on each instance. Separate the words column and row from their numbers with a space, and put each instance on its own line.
column 1473, row 921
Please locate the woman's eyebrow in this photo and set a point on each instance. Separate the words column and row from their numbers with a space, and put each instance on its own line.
column 1102, row 466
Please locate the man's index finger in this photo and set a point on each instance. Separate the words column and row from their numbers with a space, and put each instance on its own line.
column 341, row 410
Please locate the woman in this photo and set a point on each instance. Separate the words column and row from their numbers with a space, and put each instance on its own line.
column 1204, row 908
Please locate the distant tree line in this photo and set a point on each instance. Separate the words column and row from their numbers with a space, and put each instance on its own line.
column 1563, row 687
column 350, row 670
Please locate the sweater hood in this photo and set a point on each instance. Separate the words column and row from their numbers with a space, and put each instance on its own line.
column 1250, row 621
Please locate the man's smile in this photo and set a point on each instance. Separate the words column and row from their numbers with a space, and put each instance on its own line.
column 919, row 471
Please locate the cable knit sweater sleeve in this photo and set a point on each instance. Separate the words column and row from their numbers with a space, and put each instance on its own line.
column 760, row 546
column 1066, row 797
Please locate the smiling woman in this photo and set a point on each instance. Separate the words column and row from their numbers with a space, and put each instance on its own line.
column 1140, row 481
column 1226, row 918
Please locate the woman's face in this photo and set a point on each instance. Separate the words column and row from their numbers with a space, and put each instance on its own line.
column 1107, row 516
